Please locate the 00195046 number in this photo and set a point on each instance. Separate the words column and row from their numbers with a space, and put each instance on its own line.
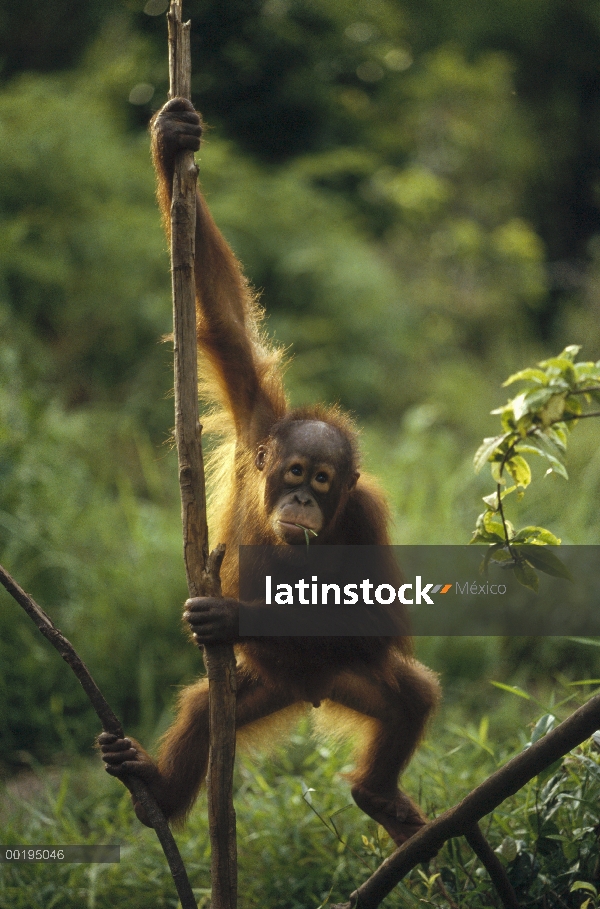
column 99, row 853
column 31, row 854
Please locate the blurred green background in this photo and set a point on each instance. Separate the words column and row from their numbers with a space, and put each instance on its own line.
column 415, row 189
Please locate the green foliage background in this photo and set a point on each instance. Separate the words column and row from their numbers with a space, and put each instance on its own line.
column 380, row 182
column 414, row 189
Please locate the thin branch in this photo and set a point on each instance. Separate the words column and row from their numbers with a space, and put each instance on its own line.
column 202, row 570
column 493, row 865
column 567, row 417
column 111, row 724
column 460, row 820
column 511, row 550
column 532, row 431
column 507, row 456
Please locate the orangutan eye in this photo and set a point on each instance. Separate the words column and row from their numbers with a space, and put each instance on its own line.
column 296, row 470
column 322, row 477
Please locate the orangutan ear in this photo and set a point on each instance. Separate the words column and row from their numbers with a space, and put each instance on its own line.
column 353, row 481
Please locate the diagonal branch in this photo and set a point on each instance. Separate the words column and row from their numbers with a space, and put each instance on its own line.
column 462, row 818
column 110, row 723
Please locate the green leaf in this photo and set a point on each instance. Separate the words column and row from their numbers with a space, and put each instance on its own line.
column 583, row 885
column 519, row 470
column 496, row 552
column 520, row 406
column 494, row 525
column 496, row 468
column 536, row 400
column 531, row 533
column 486, row 449
column 573, row 405
column 559, row 385
column 553, row 410
column 545, row 560
column 508, row 849
column 551, row 451
column 570, row 352
column 560, row 469
column 492, row 500
column 586, row 370
column 481, row 535
column 512, row 689
column 507, row 419
column 529, row 375
column 489, row 554
column 558, row 434
column 544, row 724
column 527, row 447
column 560, row 366
column 527, row 576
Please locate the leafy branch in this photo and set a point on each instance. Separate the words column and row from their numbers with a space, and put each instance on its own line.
column 536, row 422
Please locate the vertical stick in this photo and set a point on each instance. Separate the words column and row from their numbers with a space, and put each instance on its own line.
column 202, row 570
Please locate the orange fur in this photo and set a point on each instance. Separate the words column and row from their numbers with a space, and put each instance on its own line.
column 384, row 696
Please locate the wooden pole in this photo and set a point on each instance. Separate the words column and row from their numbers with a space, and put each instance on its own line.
column 202, row 569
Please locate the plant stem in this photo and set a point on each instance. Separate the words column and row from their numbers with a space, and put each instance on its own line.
column 504, row 527
column 576, row 416
column 510, row 452
column 584, row 391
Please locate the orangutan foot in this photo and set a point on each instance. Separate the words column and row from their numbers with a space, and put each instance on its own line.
column 398, row 815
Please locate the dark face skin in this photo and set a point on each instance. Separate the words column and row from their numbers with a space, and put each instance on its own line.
column 306, row 480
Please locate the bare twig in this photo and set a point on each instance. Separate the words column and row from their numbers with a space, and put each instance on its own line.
column 110, row 723
column 202, row 570
column 461, row 819
column 492, row 863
